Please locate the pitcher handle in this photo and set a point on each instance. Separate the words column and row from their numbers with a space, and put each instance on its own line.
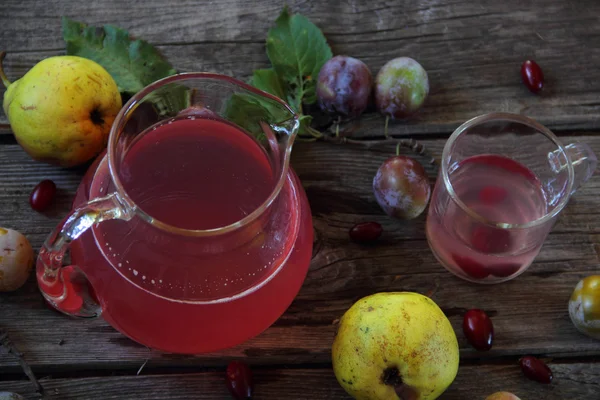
column 65, row 287
column 582, row 158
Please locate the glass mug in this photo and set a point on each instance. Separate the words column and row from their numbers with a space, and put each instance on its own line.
column 503, row 181
column 191, row 234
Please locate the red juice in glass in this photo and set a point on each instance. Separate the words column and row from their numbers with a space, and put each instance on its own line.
column 503, row 181
column 497, row 188
column 196, row 294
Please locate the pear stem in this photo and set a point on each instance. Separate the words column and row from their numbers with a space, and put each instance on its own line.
column 2, row 74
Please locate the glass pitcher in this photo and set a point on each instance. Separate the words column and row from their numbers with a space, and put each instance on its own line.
column 191, row 234
column 503, row 181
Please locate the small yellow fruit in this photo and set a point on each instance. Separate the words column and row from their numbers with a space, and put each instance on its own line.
column 10, row 396
column 16, row 260
column 62, row 109
column 502, row 396
column 584, row 306
column 392, row 346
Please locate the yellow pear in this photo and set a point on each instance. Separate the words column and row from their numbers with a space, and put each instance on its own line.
column 62, row 109
column 392, row 346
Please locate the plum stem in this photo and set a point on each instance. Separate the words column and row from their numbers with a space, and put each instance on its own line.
column 5, row 341
column 385, row 129
column 416, row 147
column 306, row 128
column 5, row 80
column 315, row 133
column 337, row 127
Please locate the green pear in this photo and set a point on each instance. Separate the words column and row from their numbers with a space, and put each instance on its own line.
column 392, row 346
column 62, row 109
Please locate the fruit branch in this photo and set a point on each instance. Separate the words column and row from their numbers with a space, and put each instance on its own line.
column 411, row 144
column 5, row 341
column 2, row 74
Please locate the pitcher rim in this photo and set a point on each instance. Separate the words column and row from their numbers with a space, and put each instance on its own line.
column 499, row 116
column 121, row 119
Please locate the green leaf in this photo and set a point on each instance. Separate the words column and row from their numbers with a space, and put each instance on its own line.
column 248, row 111
column 133, row 64
column 297, row 50
column 268, row 81
column 170, row 99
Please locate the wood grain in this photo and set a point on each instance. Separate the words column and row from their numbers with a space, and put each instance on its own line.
column 471, row 49
column 571, row 381
column 530, row 313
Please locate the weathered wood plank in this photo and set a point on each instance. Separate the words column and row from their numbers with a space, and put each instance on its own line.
column 530, row 312
column 472, row 50
column 184, row 22
column 571, row 381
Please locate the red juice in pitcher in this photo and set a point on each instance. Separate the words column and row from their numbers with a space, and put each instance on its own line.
column 196, row 294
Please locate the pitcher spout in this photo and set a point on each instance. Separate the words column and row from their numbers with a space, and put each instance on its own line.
column 286, row 132
column 281, row 140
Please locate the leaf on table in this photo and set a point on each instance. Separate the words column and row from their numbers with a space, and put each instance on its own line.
column 133, row 64
column 297, row 50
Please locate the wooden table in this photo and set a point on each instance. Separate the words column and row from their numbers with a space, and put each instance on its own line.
column 472, row 51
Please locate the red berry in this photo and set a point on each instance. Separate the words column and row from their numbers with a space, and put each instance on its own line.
column 471, row 267
column 42, row 195
column 365, row 232
column 535, row 369
column 238, row 379
column 532, row 76
column 478, row 329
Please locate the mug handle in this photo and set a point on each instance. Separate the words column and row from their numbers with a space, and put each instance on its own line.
column 582, row 158
column 65, row 287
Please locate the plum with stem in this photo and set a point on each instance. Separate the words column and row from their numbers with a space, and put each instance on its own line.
column 401, row 87
column 344, row 86
column 401, row 187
